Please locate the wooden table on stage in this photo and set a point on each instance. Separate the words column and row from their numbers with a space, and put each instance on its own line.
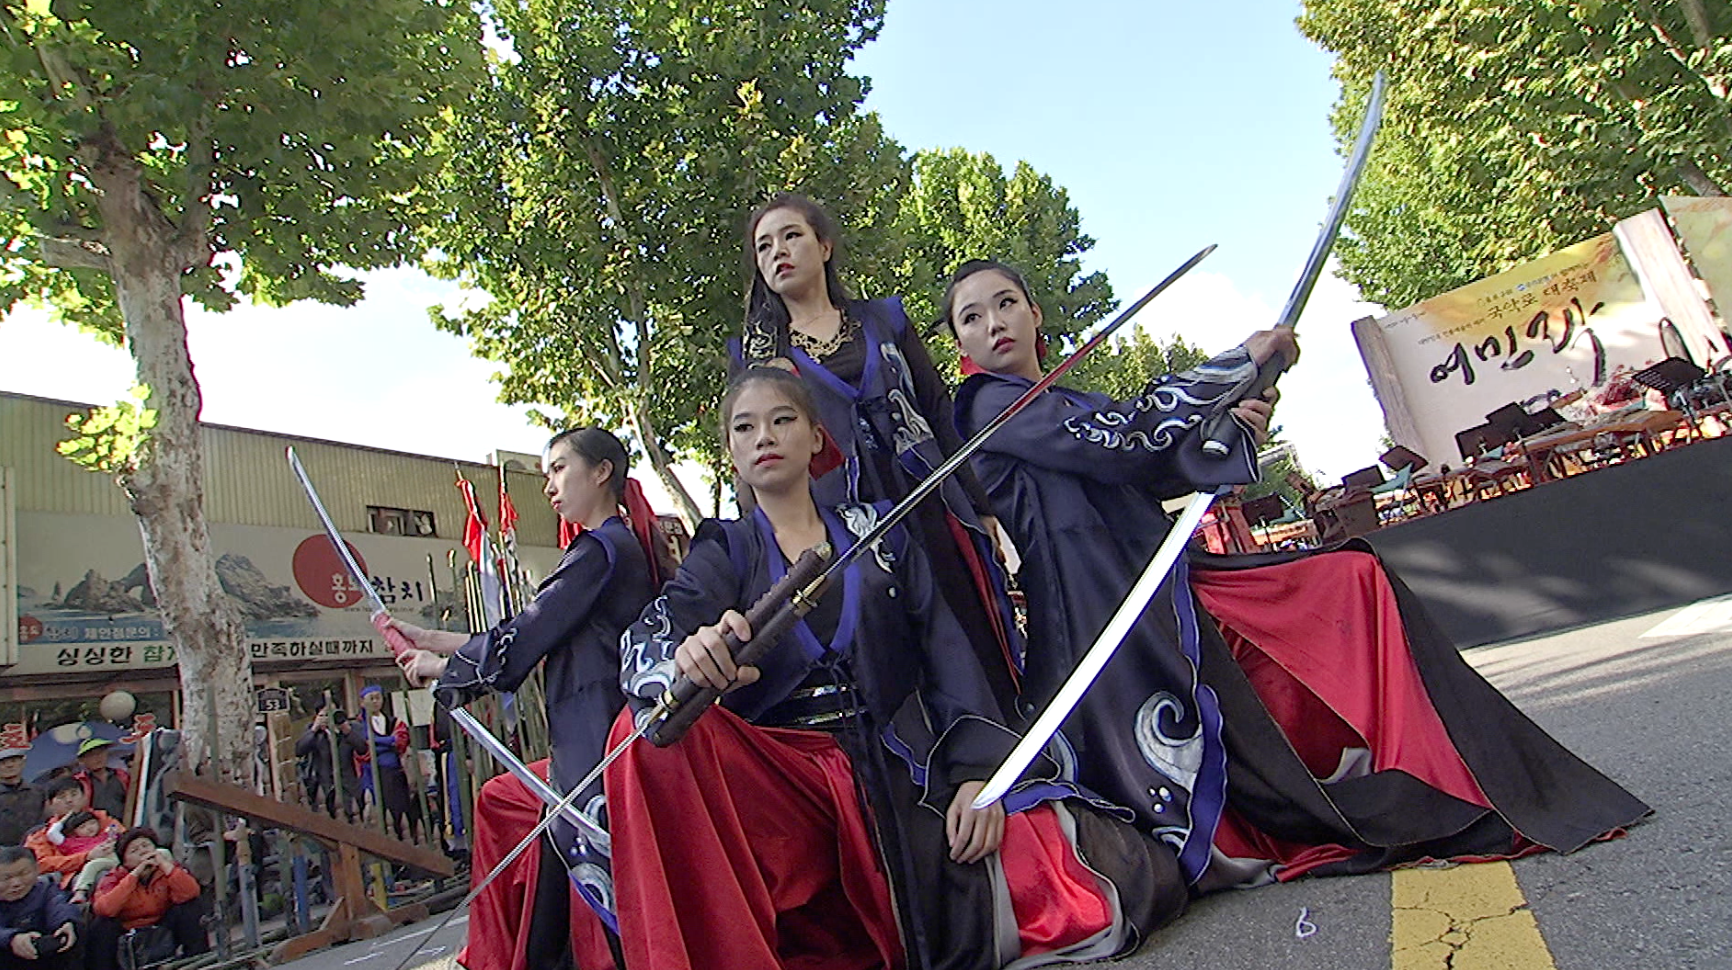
column 1640, row 428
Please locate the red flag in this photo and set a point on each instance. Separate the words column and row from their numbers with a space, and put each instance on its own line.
column 567, row 532
column 507, row 520
column 481, row 553
column 475, row 529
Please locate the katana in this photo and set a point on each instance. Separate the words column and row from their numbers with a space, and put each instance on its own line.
column 1215, row 435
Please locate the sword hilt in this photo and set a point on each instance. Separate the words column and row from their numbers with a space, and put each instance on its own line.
column 1217, row 430
column 769, row 618
column 394, row 637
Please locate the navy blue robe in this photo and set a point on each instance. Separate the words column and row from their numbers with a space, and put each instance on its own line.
column 1173, row 729
column 927, row 721
column 1077, row 479
column 573, row 623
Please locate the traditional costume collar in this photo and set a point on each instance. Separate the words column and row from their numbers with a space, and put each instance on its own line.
column 842, row 643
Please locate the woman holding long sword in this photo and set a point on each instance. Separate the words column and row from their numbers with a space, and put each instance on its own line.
column 609, row 571
column 820, row 818
column 1266, row 716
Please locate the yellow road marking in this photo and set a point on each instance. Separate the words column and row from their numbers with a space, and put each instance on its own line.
column 1470, row 917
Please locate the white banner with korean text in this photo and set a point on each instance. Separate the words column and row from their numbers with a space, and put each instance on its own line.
column 1576, row 319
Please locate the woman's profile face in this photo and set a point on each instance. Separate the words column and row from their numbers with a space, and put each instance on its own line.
column 574, row 485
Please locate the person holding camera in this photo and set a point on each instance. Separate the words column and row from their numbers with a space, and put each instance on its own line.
column 148, row 888
column 330, row 731
column 38, row 925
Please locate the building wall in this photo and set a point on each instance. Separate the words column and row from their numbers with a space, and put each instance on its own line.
column 248, row 481
column 70, row 521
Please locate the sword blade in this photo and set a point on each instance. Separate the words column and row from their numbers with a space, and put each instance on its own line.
column 355, row 571
column 540, row 789
column 1332, row 223
column 1095, row 660
column 561, row 807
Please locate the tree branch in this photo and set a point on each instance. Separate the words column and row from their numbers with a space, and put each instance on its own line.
column 75, row 254
column 1697, row 18
column 192, row 240
column 1699, row 181
column 1716, row 89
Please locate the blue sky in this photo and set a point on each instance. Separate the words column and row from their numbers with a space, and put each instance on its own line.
column 1171, row 125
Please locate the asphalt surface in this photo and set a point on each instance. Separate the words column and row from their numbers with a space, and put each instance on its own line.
column 1651, row 712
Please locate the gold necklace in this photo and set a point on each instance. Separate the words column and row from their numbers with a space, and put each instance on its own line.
column 819, row 349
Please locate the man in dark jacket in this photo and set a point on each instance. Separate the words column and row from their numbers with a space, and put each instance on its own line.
column 38, row 925
column 317, row 775
column 20, row 801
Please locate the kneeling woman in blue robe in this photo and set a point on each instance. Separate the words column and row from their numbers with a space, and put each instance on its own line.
column 1268, row 716
column 819, row 816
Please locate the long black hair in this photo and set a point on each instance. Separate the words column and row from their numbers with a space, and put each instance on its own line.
column 596, row 445
column 766, row 330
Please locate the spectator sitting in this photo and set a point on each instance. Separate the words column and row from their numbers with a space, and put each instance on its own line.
column 38, row 927
column 20, row 801
column 82, row 832
column 65, row 796
column 147, row 888
column 104, row 787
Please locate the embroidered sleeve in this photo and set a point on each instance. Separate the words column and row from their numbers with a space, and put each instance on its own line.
column 704, row 587
column 501, row 658
column 1150, row 440
column 933, row 397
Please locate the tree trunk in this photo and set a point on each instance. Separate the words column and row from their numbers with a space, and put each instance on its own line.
column 663, row 464
column 167, row 487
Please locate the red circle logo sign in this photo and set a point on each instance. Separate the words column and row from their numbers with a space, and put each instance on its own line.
column 29, row 628
column 320, row 573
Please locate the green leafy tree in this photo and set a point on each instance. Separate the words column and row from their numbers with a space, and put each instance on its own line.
column 146, row 139
column 1281, row 473
column 599, row 182
column 963, row 206
column 1516, row 127
column 1126, row 366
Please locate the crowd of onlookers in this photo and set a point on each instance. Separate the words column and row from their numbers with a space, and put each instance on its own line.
column 77, row 888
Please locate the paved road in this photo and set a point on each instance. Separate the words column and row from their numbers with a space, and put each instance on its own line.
column 1655, row 713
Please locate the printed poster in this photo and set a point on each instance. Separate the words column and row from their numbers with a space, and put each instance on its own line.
column 1574, row 319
